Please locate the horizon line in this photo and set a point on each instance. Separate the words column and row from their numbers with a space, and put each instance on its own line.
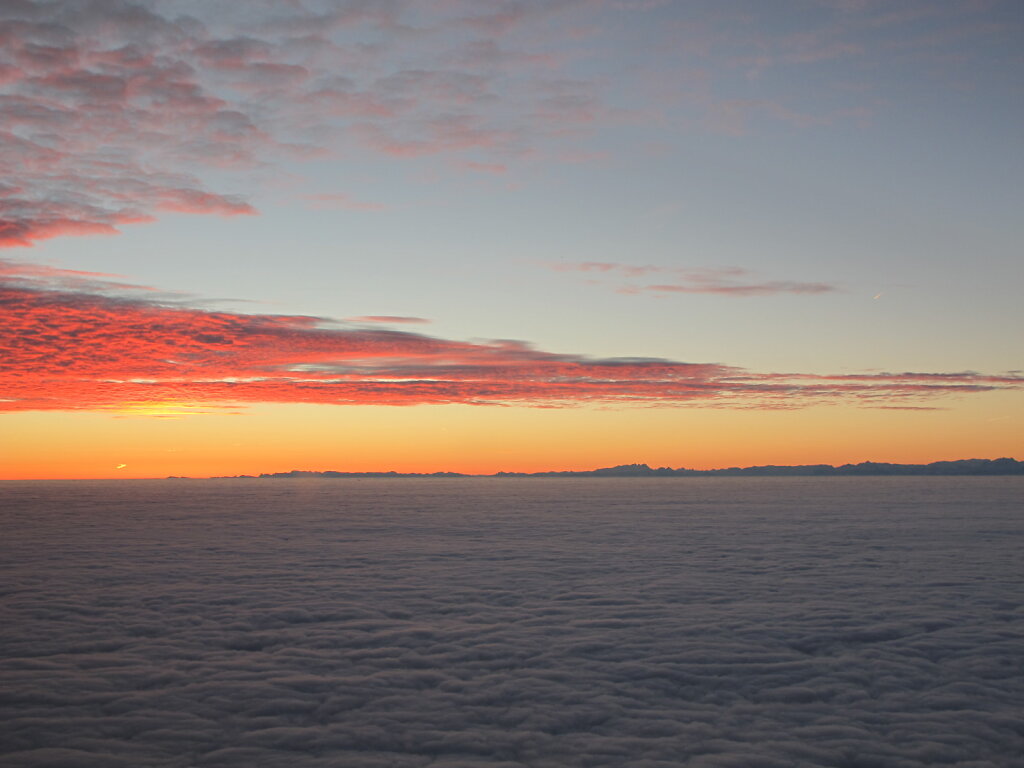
column 616, row 471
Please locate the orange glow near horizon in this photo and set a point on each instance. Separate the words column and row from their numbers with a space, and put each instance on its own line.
column 606, row 245
column 159, row 409
column 483, row 440
column 100, row 383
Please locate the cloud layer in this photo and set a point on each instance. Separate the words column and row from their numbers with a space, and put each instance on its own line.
column 71, row 340
column 114, row 112
column 100, row 106
column 721, row 281
column 816, row 623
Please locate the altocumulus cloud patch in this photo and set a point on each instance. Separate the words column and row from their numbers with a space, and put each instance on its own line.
column 73, row 340
column 513, row 623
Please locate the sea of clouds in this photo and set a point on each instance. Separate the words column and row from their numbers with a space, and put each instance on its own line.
column 706, row 622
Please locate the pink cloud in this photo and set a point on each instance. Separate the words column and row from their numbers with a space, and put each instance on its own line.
column 341, row 201
column 769, row 288
column 112, row 112
column 84, row 349
column 441, row 134
column 723, row 281
column 388, row 319
column 567, row 105
column 494, row 168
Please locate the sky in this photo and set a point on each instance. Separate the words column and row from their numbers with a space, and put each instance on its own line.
column 419, row 236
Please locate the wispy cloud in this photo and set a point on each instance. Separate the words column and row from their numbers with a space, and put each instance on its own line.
column 400, row 319
column 69, row 346
column 113, row 112
column 715, row 67
column 723, row 281
column 767, row 288
column 341, row 201
column 45, row 277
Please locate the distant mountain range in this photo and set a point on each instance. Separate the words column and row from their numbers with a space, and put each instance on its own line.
column 961, row 467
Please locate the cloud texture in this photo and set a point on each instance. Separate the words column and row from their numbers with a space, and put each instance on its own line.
column 113, row 112
column 835, row 623
column 721, row 281
column 70, row 340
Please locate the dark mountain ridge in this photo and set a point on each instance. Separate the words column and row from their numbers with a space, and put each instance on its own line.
column 1003, row 466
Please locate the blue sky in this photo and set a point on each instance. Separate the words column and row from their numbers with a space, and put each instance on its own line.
column 792, row 187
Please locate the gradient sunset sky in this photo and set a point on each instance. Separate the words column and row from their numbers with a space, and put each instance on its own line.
column 481, row 236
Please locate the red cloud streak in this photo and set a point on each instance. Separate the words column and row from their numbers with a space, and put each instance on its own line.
column 86, row 350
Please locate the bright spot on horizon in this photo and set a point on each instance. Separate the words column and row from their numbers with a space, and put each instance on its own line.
column 121, row 466
column 161, row 409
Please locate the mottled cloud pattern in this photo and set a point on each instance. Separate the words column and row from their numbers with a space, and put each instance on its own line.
column 71, row 340
column 113, row 112
column 713, row 624
column 100, row 107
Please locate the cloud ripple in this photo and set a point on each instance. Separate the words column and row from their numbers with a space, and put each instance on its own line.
column 69, row 340
column 819, row 623
column 113, row 112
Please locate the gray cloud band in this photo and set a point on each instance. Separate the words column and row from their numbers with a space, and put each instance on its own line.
column 466, row 623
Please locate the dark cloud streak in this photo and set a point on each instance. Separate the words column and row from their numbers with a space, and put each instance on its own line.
column 721, row 281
